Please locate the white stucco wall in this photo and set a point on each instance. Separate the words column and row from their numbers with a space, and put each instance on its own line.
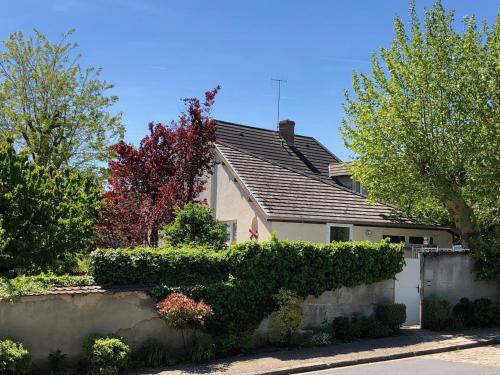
column 233, row 203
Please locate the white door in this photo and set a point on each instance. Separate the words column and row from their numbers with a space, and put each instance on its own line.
column 407, row 290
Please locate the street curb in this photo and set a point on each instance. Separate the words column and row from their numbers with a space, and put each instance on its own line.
column 317, row 366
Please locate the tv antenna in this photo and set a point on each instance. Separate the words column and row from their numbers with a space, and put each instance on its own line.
column 279, row 82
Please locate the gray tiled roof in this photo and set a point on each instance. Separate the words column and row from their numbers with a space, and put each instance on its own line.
column 306, row 155
column 287, row 194
column 339, row 169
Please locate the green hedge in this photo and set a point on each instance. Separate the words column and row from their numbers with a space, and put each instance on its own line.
column 259, row 269
column 391, row 314
column 175, row 266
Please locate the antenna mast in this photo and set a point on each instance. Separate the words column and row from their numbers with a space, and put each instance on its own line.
column 279, row 81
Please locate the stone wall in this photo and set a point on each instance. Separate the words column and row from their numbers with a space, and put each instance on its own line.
column 451, row 276
column 62, row 321
column 340, row 302
column 46, row 323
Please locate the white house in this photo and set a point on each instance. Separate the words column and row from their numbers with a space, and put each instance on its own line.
column 277, row 181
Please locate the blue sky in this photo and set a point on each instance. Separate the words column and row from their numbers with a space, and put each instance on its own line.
column 156, row 52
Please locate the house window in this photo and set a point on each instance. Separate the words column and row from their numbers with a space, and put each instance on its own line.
column 359, row 188
column 394, row 239
column 232, row 229
column 339, row 233
column 417, row 240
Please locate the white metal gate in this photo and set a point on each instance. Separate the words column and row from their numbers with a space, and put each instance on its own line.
column 407, row 290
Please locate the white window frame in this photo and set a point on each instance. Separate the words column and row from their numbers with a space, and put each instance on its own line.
column 230, row 230
column 329, row 225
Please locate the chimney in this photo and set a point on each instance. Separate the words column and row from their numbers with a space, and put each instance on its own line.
column 286, row 130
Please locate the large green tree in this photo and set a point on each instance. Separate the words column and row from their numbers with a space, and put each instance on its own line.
column 53, row 107
column 424, row 125
column 47, row 215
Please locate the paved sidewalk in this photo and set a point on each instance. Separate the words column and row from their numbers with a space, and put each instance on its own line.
column 412, row 342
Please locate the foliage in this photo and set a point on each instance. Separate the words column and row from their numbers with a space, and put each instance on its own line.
column 153, row 354
column 195, row 224
column 289, row 316
column 230, row 343
column 56, row 363
column 484, row 312
column 168, row 169
column 182, row 312
column 14, row 358
column 464, row 311
column 436, row 314
column 260, row 269
column 22, row 285
column 346, row 329
column 392, row 314
column 321, row 339
column 349, row 329
column 487, row 258
column 202, row 352
column 424, row 125
column 51, row 106
column 48, row 215
column 105, row 355
column 175, row 266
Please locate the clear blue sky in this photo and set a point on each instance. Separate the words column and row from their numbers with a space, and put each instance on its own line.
column 157, row 52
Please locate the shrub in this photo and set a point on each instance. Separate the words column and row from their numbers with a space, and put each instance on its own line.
column 105, row 355
column 371, row 327
column 14, row 358
column 195, row 224
column 182, row 312
column 259, row 269
column 436, row 314
column 321, row 339
column 56, row 363
column 202, row 352
column 484, row 312
column 153, row 354
column 392, row 315
column 463, row 311
column 22, row 285
column 289, row 316
column 232, row 344
column 344, row 330
column 174, row 266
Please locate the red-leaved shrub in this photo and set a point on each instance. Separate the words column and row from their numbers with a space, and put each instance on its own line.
column 182, row 312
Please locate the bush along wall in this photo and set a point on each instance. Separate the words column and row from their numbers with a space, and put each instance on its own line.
column 257, row 270
column 176, row 266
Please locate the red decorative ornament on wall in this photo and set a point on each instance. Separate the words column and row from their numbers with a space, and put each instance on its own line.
column 254, row 233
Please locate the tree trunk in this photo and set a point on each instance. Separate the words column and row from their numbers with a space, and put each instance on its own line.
column 153, row 236
column 463, row 217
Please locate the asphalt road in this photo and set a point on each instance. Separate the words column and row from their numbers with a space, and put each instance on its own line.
column 479, row 361
column 413, row 366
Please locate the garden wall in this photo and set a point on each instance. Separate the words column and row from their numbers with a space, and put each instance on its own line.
column 45, row 323
column 451, row 276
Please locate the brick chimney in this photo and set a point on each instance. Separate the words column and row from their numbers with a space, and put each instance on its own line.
column 287, row 130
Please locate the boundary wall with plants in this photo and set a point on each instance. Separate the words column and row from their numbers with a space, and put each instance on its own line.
column 45, row 323
column 450, row 276
column 239, row 284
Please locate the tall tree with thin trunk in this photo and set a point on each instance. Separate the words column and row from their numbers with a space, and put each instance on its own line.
column 167, row 170
column 425, row 124
column 51, row 106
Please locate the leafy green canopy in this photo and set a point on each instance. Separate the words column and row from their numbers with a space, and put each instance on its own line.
column 195, row 224
column 52, row 106
column 425, row 124
column 47, row 215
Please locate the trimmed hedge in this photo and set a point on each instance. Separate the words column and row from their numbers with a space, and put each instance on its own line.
column 175, row 266
column 259, row 269
column 436, row 314
column 392, row 314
